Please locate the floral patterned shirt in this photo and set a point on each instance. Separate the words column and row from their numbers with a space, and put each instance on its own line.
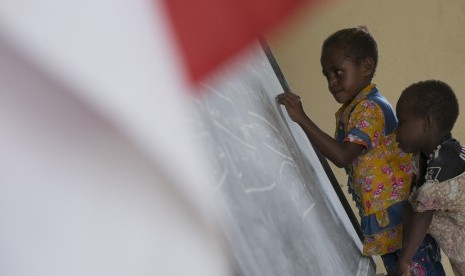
column 379, row 178
column 443, row 191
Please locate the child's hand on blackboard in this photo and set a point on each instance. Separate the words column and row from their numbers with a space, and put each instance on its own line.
column 293, row 105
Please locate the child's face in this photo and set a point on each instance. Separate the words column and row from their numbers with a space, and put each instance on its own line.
column 410, row 133
column 345, row 78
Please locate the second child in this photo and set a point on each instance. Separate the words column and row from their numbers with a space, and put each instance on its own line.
column 427, row 112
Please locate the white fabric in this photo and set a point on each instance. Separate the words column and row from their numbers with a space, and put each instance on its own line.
column 98, row 175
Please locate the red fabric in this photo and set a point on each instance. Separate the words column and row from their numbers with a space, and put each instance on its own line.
column 211, row 31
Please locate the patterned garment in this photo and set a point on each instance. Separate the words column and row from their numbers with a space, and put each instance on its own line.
column 379, row 178
column 426, row 261
column 444, row 192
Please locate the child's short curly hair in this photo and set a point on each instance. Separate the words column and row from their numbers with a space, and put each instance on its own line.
column 435, row 98
column 357, row 44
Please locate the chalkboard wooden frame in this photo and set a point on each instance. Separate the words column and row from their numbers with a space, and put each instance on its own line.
column 324, row 162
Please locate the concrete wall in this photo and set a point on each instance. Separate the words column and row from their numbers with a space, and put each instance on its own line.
column 417, row 40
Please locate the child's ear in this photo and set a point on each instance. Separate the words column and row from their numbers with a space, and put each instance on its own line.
column 428, row 122
column 368, row 66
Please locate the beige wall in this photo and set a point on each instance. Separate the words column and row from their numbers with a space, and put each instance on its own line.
column 417, row 40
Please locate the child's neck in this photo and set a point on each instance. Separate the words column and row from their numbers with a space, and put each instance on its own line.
column 435, row 141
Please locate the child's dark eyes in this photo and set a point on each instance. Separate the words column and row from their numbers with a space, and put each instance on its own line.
column 337, row 72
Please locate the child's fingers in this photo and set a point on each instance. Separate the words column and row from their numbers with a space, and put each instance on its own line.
column 281, row 98
column 288, row 98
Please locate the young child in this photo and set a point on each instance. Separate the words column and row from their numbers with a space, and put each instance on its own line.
column 427, row 112
column 379, row 173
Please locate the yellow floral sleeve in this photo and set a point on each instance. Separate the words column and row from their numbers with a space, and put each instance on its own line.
column 366, row 124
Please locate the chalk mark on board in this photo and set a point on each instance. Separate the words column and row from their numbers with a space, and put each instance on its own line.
column 217, row 93
column 308, row 211
column 223, row 96
column 263, row 119
column 285, row 163
column 234, row 136
column 257, row 190
column 278, row 152
column 222, row 180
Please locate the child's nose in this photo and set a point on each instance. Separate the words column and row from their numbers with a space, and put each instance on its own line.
column 332, row 81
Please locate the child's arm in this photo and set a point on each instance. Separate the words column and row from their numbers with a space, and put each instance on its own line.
column 406, row 221
column 340, row 153
column 407, row 215
column 417, row 227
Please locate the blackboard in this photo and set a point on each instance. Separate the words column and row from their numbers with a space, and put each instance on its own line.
column 281, row 214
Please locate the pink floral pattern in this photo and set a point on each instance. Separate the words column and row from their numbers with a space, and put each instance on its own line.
column 380, row 176
column 448, row 225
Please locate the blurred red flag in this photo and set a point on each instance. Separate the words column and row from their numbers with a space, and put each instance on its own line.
column 211, row 31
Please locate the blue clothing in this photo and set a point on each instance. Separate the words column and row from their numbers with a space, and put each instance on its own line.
column 426, row 262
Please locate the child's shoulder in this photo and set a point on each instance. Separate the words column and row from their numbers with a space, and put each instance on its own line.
column 447, row 161
column 447, row 151
column 379, row 108
column 367, row 109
